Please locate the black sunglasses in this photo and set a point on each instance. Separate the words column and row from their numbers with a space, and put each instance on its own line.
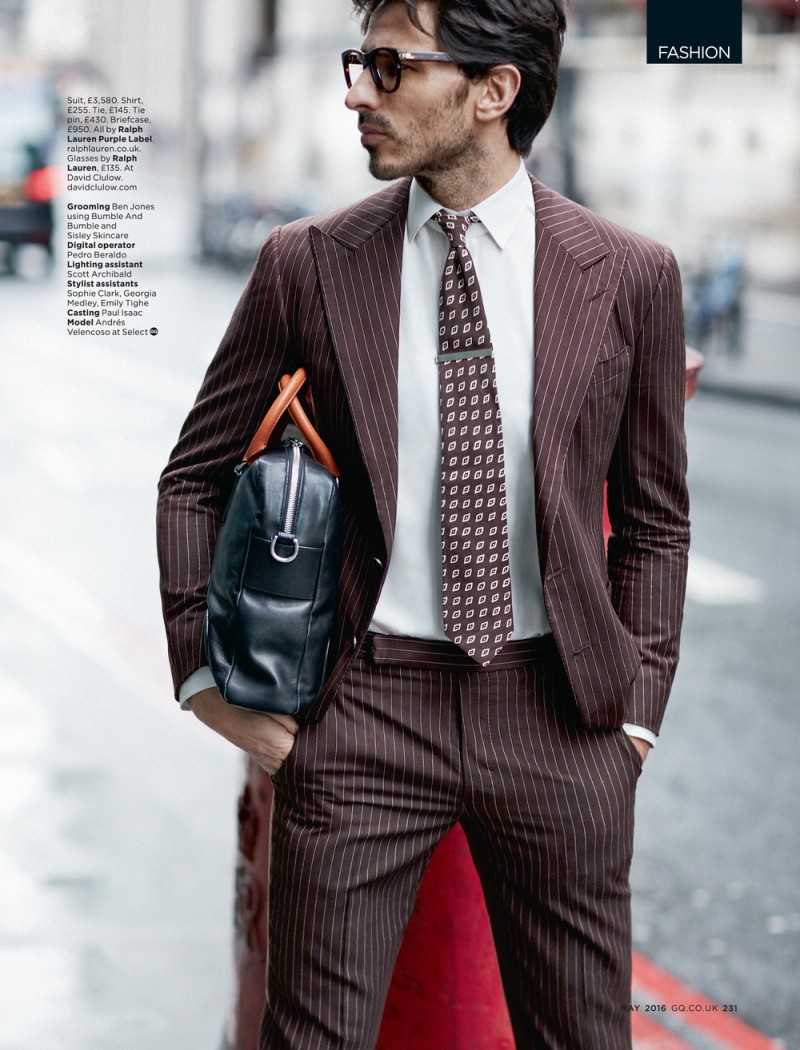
column 386, row 63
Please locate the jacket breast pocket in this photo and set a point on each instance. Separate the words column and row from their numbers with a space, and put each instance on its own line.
column 597, row 426
column 613, row 364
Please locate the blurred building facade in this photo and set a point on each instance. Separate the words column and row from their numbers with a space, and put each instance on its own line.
column 694, row 154
column 247, row 99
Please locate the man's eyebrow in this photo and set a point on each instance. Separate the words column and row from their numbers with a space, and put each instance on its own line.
column 394, row 47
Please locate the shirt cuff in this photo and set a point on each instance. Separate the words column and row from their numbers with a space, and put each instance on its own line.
column 634, row 730
column 199, row 680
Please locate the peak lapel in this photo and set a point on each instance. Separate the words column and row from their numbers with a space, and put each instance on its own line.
column 359, row 263
column 576, row 277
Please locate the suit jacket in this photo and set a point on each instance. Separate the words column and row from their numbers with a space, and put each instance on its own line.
column 608, row 405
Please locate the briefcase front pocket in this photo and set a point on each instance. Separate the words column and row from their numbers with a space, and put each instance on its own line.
column 282, row 579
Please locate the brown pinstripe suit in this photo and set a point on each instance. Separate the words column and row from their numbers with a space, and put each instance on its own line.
column 609, row 367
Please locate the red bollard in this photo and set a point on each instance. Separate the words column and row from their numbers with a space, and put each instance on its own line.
column 446, row 992
column 250, row 912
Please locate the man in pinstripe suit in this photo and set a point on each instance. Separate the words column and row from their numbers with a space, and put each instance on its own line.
column 537, row 752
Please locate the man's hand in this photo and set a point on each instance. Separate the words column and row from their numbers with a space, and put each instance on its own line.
column 642, row 746
column 266, row 738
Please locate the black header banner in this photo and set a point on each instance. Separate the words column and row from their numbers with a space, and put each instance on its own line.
column 685, row 31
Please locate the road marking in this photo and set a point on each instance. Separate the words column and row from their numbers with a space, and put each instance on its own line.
column 47, row 594
column 701, row 1015
column 711, row 583
column 648, row 1035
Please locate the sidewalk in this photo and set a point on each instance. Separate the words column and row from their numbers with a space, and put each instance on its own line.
column 768, row 367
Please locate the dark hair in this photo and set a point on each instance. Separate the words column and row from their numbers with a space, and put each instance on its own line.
column 481, row 34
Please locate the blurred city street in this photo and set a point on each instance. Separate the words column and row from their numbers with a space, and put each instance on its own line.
column 117, row 811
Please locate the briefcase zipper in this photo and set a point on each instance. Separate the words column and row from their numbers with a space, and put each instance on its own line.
column 286, row 534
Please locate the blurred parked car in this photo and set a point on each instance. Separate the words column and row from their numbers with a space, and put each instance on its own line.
column 28, row 183
column 27, row 188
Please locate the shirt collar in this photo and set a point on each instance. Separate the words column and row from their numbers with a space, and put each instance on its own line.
column 500, row 214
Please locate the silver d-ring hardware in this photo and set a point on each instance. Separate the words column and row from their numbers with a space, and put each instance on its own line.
column 282, row 536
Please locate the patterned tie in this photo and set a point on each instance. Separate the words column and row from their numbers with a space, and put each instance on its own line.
column 476, row 582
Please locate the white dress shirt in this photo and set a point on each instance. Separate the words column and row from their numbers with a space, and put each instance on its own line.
column 502, row 248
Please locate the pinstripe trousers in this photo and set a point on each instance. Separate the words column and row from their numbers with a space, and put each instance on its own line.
column 417, row 738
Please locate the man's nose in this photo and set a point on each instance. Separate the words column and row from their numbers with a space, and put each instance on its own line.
column 363, row 94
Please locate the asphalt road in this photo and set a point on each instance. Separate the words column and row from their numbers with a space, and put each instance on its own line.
column 117, row 811
column 716, row 889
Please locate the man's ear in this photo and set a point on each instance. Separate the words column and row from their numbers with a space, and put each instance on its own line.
column 499, row 88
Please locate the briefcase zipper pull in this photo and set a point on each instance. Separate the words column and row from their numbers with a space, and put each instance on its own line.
column 286, row 535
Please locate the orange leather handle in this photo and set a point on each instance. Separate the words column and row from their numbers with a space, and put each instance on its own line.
column 317, row 447
column 287, row 400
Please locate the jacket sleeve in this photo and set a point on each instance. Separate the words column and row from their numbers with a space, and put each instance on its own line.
column 648, row 501
column 238, row 387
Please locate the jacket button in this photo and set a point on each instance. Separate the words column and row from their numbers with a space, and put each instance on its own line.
column 377, row 562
